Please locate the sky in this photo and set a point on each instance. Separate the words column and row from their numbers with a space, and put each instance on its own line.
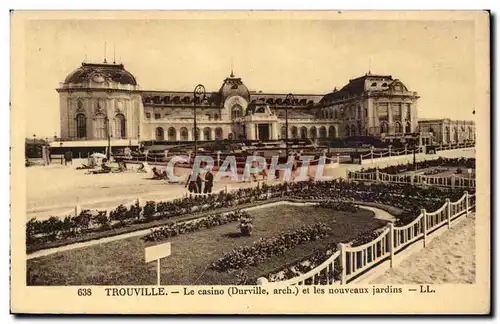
column 312, row 56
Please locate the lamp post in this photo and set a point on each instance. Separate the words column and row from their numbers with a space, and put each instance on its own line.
column 108, row 153
column 61, row 145
column 288, row 100
column 199, row 94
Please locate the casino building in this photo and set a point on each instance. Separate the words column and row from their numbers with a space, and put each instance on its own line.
column 98, row 98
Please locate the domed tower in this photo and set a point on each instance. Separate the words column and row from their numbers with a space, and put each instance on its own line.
column 234, row 98
column 97, row 98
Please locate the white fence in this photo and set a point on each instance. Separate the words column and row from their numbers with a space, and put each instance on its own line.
column 389, row 153
column 355, row 261
column 406, row 151
column 452, row 181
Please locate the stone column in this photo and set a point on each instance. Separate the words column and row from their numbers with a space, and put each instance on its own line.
column 276, row 130
column 371, row 115
column 250, row 131
column 389, row 116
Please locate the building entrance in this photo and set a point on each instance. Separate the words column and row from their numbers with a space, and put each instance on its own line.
column 263, row 132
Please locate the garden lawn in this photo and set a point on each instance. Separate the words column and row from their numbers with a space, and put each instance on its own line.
column 122, row 262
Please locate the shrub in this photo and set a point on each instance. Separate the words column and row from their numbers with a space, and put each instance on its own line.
column 82, row 221
column 101, row 220
column 119, row 214
column 246, row 225
column 149, row 210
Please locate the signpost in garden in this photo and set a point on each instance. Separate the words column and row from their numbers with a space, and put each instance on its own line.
column 157, row 252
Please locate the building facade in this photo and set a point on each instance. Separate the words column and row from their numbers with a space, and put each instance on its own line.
column 99, row 98
column 447, row 131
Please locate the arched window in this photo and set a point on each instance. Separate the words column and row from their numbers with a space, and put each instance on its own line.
column 100, row 131
column 184, row 134
column 303, row 132
column 207, row 133
column 172, row 134
column 408, row 128
column 383, row 128
column 283, row 132
column 120, row 126
column 471, row 134
column 353, row 130
column 347, row 131
column 335, row 114
column 159, row 134
column 456, row 135
column 236, row 112
column 313, row 133
column 332, row 132
column 216, row 116
column 218, row 134
column 209, row 117
column 374, row 84
column 359, row 112
column 322, row 132
column 398, row 128
column 81, row 126
column 294, row 132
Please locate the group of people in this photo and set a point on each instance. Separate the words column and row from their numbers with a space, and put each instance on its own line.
column 200, row 184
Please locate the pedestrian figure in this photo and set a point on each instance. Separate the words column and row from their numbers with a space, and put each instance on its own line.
column 209, row 182
column 191, row 184
column 199, row 183
column 68, row 158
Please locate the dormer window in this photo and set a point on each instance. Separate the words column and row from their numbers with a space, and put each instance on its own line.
column 374, row 84
column 384, row 84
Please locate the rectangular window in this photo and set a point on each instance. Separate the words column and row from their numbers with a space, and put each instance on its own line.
column 382, row 111
column 408, row 111
column 157, row 116
column 396, row 111
column 148, row 115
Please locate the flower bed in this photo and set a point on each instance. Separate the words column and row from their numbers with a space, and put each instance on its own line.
column 340, row 205
column 88, row 223
column 262, row 249
column 178, row 228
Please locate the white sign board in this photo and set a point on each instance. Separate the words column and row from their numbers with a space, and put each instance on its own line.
column 157, row 252
column 469, row 171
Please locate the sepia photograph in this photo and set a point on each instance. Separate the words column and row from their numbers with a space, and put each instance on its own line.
column 272, row 156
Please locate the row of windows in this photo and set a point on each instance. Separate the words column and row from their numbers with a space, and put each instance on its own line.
column 184, row 134
column 158, row 116
column 312, row 133
column 347, row 113
column 100, row 126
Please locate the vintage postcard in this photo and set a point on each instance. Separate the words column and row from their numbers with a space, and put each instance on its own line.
column 250, row 162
